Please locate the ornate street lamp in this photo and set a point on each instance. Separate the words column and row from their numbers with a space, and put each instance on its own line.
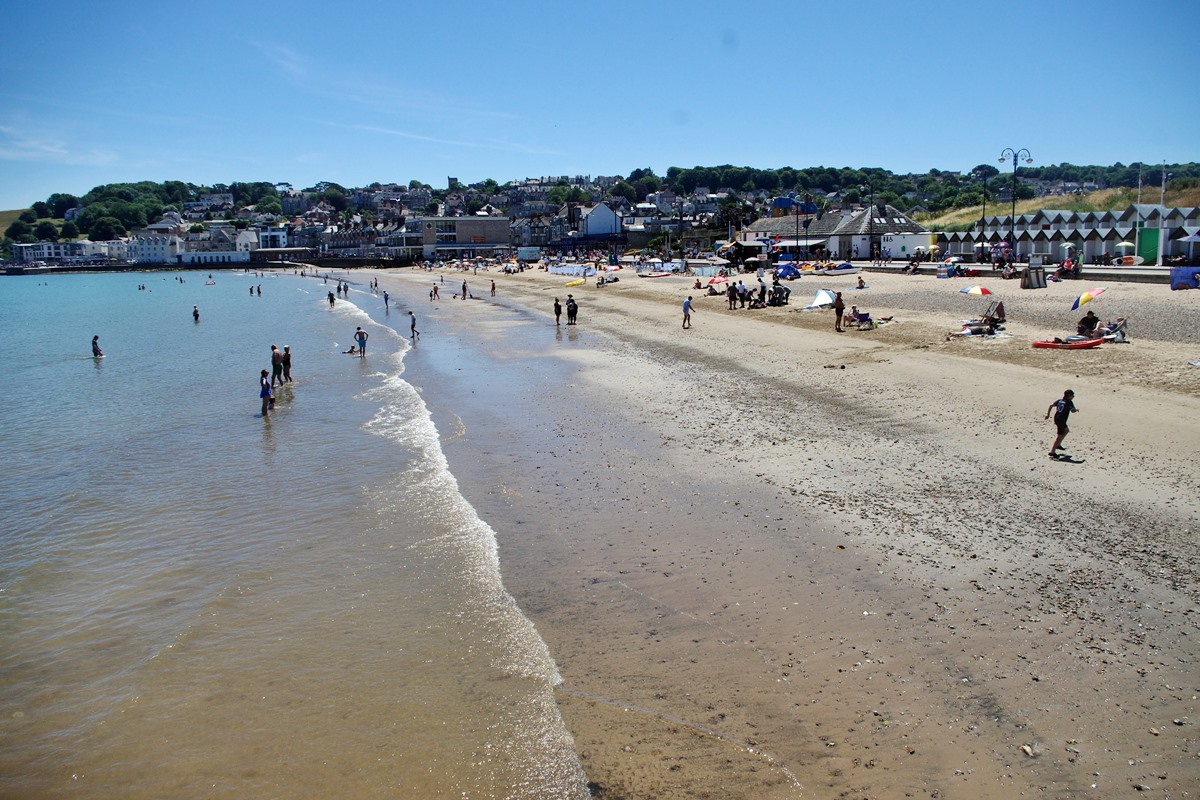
column 1016, row 156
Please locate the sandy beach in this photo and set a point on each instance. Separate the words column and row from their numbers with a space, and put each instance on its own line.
column 775, row 561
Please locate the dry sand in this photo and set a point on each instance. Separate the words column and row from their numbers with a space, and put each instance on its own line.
column 774, row 561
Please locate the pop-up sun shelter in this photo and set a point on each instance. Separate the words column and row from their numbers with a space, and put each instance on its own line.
column 823, row 299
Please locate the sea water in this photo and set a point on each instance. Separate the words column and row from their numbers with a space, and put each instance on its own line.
column 196, row 600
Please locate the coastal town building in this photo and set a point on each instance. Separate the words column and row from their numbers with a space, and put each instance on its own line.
column 849, row 234
column 1153, row 230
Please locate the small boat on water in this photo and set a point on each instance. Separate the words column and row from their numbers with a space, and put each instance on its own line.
column 655, row 274
column 1071, row 343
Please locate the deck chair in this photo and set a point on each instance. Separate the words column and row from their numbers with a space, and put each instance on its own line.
column 1117, row 335
column 994, row 312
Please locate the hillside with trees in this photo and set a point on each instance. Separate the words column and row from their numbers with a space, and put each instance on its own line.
column 942, row 199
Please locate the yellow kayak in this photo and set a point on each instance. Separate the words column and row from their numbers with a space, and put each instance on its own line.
column 576, row 282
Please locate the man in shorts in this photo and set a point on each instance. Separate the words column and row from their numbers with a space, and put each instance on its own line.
column 360, row 336
column 1062, row 410
column 276, row 365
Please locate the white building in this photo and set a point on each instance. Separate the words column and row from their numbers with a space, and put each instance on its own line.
column 154, row 248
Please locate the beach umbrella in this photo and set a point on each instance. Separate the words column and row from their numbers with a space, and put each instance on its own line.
column 1088, row 296
column 977, row 290
column 1126, row 244
column 717, row 279
column 953, row 260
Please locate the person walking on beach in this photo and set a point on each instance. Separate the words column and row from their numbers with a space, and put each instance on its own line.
column 435, row 295
column 413, row 326
column 557, row 311
column 385, row 298
column 96, row 351
column 287, row 363
column 276, row 365
column 839, row 308
column 464, row 293
column 687, row 313
column 572, row 309
column 331, row 299
column 196, row 313
column 732, row 293
column 360, row 336
column 264, row 391
column 493, row 288
column 1062, row 410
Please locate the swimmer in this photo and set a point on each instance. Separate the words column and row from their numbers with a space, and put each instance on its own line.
column 96, row 351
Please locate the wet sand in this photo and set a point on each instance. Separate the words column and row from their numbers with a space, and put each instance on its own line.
column 772, row 560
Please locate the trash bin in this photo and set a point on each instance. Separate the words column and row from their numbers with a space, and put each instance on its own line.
column 1033, row 278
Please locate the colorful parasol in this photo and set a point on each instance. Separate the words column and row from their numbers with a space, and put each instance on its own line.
column 979, row 290
column 1088, row 296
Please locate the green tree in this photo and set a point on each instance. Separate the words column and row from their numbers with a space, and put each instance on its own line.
column 336, row 197
column 69, row 231
column 18, row 228
column 269, row 205
column 624, row 189
column 60, row 204
column 473, row 205
column 46, row 231
column 28, row 216
column 647, row 184
column 105, row 229
column 557, row 196
column 196, row 228
column 41, row 209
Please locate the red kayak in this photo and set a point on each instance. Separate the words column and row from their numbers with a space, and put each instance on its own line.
column 1078, row 344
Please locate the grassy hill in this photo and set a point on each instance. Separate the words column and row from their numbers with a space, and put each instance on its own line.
column 962, row 219
column 8, row 218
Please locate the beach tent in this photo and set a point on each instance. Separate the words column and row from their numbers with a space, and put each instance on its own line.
column 824, row 298
column 787, row 272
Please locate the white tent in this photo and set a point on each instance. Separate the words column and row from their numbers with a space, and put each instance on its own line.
column 823, row 299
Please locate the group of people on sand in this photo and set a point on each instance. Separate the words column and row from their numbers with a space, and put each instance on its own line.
column 739, row 295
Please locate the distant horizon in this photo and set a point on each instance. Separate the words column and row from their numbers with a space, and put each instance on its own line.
column 293, row 93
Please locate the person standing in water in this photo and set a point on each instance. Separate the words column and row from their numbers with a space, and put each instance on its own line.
column 264, row 391
column 196, row 313
column 557, row 311
column 360, row 336
column 385, row 298
column 331, row 298
column 413, row 326
column 96, row 351
column 276, row 365
column 287, row 363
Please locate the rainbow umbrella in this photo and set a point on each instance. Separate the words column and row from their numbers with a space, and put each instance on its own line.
column 979, row 290
column 1088, row 296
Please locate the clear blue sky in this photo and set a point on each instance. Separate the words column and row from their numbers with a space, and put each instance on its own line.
column 304, row 91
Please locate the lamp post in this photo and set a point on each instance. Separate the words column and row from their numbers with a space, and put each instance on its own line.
column 1162, row 212
column 1016, row 156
